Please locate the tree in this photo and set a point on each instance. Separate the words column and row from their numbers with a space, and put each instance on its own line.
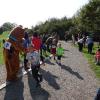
column 8, row 26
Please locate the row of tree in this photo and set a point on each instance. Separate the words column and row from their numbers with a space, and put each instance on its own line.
column 86, row 20
column 7, row 27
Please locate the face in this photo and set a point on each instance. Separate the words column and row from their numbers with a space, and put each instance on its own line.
column 59, row 45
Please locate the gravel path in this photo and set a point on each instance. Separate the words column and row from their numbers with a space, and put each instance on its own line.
column 73, row 80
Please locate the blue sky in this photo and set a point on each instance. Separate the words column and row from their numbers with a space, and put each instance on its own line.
column 32, row 12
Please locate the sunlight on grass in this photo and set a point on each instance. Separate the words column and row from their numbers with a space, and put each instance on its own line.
column 3, row 36
column 91, row 60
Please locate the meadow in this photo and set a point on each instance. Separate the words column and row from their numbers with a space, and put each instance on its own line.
column 4, row 35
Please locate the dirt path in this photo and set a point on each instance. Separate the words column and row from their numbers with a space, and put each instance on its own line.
column 73, row 80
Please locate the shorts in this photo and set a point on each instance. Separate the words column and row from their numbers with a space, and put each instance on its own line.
column 53, row 50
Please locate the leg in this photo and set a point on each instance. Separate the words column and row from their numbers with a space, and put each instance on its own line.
column 25, row 63
column 35, row 74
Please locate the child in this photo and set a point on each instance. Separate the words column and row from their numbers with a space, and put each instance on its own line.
column 53, row 48
column 59, row 52
column 97, row 56
column 33, row 57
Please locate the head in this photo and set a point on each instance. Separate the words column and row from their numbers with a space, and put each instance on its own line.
column 26, row 35
column 17, row 34
column 35, row 34
column 59, row 44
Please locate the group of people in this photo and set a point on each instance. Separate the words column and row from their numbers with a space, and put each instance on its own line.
column 85, row 40
column 33, row 48
column 88, row 41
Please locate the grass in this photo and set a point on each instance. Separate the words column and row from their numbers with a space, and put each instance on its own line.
column 91, row 60
column 3, row 36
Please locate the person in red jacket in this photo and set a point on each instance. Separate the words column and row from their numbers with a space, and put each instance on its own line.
column 36, row 41
column 37, row 44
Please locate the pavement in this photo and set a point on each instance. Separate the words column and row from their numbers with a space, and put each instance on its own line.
column 72, row 80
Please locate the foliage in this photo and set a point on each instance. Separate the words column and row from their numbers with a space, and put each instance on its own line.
column 54, row 25
column 88, row 17
column 7, row 27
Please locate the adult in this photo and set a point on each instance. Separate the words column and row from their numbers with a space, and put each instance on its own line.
column 49, row 43
column 56, row 38
column 80, row 44
column 11, row 50
column 89, row 42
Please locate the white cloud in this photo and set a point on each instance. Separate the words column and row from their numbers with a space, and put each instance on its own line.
column 30, row 12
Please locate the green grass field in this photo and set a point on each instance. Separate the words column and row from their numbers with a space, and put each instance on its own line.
column 3, row 36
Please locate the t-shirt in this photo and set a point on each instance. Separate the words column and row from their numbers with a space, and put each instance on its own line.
column 60, row 51
column 36, row 42
column 80, row 41
column 89, row 40
column 33, row 57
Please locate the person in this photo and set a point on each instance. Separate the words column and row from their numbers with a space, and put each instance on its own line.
column 97, row 57
column 12, row 47
column 43, row 52
column 53, row 48
column 33, row 57
column 56, row 38
column 26, row 43
column 80, row 44
column 59, row 53
column 89, row 42
column 36, row 41
column 49, row 43
column 84, row 40
column 97, row 95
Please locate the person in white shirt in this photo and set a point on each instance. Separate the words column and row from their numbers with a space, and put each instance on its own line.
column 80, row 44
column 33, row 57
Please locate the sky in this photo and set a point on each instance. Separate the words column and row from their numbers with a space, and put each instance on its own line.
column 31, row 12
